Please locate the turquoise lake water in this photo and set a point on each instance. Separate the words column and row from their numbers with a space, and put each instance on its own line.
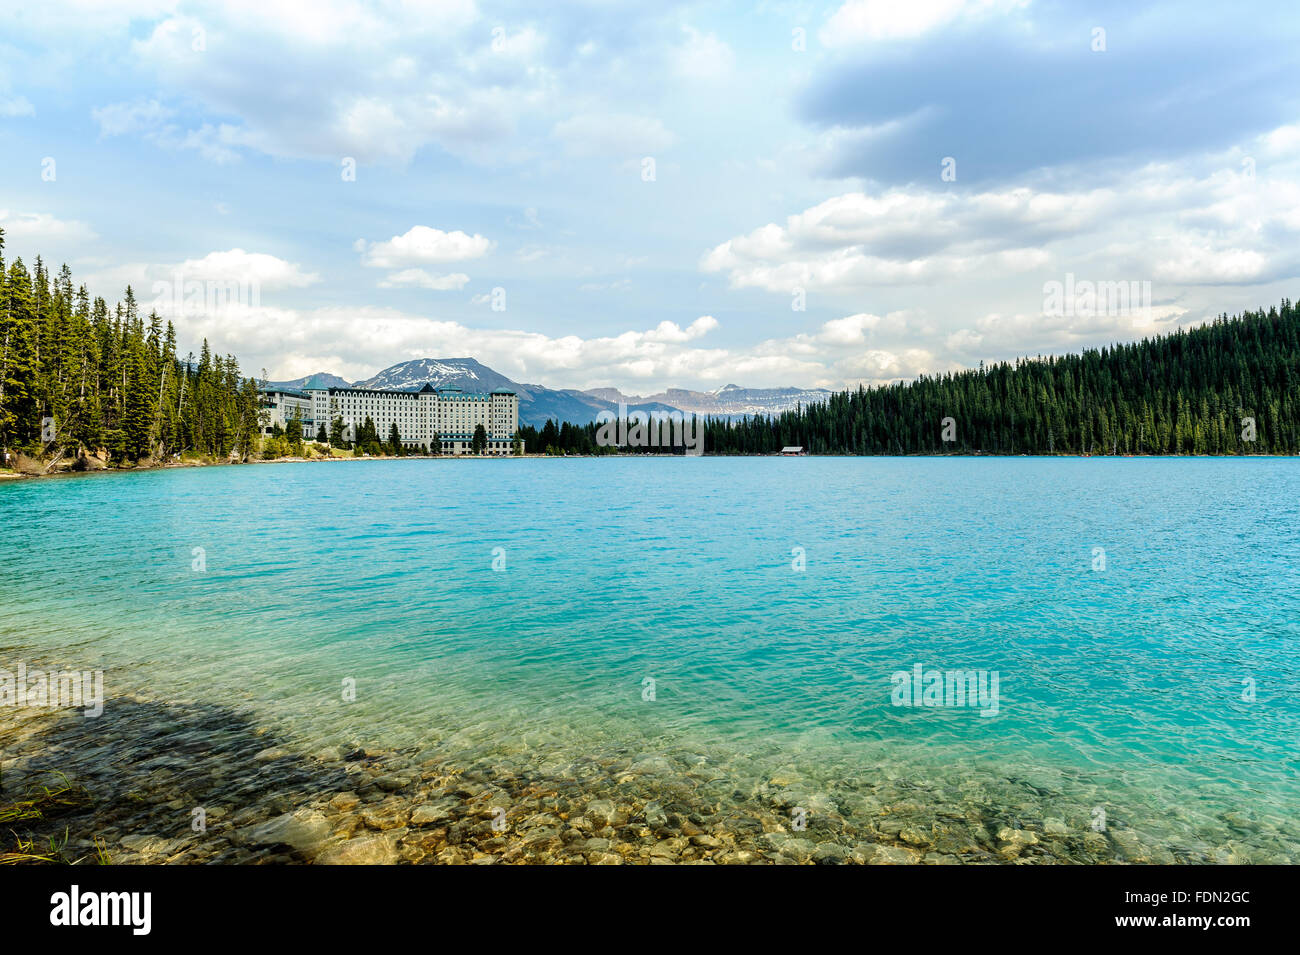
column 1123, row 688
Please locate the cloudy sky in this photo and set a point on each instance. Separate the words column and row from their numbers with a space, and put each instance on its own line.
column 581, row 195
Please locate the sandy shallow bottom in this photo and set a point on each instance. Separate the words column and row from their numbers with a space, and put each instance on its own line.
column 192, row 782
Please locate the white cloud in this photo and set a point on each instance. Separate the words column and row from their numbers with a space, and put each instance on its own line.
column 860, row 21
column 846, row 351
column 999, row 335
column 419, row 278
column 244, row 275
column 1283, row 141
column 385, row 79
column 117, row 119
column 1198, row 260
column 904, row 236
column 13, row 106
column 1211, row 226
column 40, row 225
column 267, row 270
column 851, row 330
column 702, row 55
column 153, row 121
column 671, row 332
column 423, row 245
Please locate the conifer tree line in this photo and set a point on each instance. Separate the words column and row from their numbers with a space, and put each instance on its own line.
column 566, row 438
column 110, row 377
column 1229, row 387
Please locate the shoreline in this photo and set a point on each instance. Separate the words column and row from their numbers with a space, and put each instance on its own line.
column 15, row 475
column 9, row 474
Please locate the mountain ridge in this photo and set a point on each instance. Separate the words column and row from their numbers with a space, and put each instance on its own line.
column 729, row 401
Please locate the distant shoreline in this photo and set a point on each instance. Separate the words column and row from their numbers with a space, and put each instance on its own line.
column 10, row 474
column 14, row 475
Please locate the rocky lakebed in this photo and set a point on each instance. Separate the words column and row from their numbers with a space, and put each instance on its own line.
column 186, row 783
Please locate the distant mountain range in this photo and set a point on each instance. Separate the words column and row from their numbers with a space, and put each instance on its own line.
column 538, row 403
column 727, row 401
column 318, row 380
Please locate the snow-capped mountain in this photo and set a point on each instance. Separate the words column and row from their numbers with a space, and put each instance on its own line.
column 737, row 400
column 464, row 373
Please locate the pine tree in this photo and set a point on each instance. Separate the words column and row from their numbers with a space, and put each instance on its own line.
column 137, row 422
column 18, row 362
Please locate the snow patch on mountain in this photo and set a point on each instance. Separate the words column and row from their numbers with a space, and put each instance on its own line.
column 464, row 373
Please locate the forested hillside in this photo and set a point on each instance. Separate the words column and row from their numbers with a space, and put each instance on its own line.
column 109, row 377
column 1230, row 387
column 1182, row 393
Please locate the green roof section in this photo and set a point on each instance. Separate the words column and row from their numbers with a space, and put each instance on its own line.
column 285, row 391
column 450, row 393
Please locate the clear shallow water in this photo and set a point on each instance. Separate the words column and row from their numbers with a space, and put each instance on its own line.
column 1119, row 689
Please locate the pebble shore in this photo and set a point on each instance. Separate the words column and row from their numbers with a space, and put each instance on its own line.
column 148, row 766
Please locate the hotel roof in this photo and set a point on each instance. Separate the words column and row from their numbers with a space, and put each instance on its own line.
column 427, row 389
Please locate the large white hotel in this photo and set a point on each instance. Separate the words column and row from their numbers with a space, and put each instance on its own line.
column 448, row 413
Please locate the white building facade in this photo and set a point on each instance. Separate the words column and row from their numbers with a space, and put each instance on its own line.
column 447, row 414
column 278, row 408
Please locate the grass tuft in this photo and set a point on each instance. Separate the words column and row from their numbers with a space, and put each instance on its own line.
column 41, row 804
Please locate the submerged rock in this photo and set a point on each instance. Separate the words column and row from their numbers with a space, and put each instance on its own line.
column 893, row 855
column 303, row 829
column 831, row 853
column 429, row 814
column 345, row 802
column 366, row 850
